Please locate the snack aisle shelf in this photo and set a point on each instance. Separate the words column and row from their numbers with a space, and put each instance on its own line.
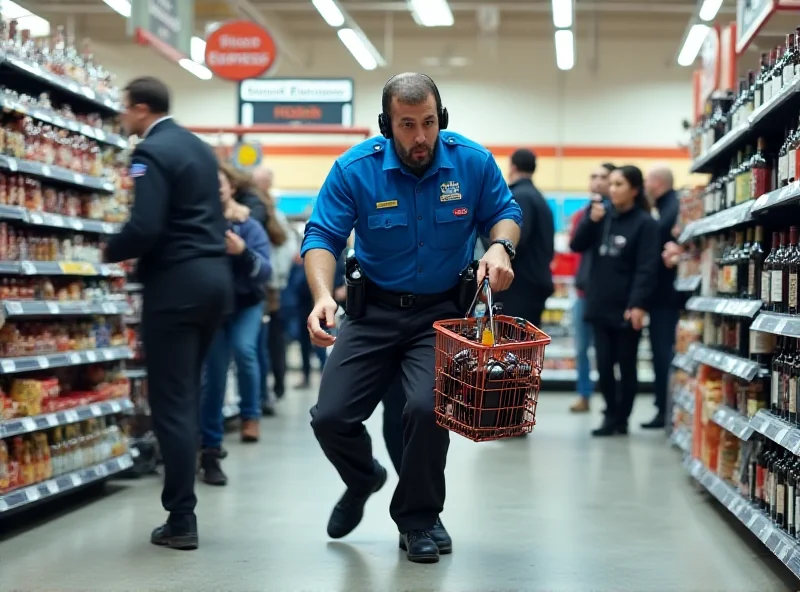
column 736, row 373
column 64, row 188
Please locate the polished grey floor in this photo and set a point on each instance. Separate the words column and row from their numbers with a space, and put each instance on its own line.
column 556, row 511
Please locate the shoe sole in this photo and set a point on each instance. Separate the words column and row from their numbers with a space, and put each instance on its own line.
column 376, row 489
column 444, row 548
column 430, row 558
column 183, row 543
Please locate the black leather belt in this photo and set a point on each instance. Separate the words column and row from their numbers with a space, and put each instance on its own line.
column 376, row 294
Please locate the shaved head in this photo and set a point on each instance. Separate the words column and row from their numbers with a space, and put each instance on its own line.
column 658, row 181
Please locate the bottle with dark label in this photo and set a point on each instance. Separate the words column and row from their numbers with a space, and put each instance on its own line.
column 791, row 493
column 761, row 173
column 787, row 372
column 743, row 264
column 787, row 76
column 758, row 88
column 780, row 490
column 761, row 471
column 783, row 160
column 777, row 71
column 794, row 376
column 758, row 391
column 777, row 364
column 791, row 267
column 777, row 303
column 774, row 463
column 755, row 265
column 766, row 275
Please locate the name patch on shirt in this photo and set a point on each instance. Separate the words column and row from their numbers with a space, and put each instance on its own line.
column 386, row 204
column 451, row 191
column 137, row 170
column 460, row 211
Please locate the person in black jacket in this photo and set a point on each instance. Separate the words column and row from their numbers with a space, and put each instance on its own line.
column 623, row 240
column 668, row 302
column 177, row 232
column 533, row 280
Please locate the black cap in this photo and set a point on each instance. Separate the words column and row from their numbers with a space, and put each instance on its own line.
column 524, row 160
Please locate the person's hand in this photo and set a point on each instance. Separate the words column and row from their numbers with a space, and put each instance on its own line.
column 496, row 264
column 324, row 313
column 597, row 211
column 636, row 317
column 234, row 244
column 671, row 254
column 340, row 294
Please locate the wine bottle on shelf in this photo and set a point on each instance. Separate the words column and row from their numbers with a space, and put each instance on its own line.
column 791, row 155
column 777, row 71
column 787, row 76
column 794, row 375
column 787, row 378
column 743, row 264
column 761, row 175
column 791, row 487
column 791, row 267
column 776, row 294
column 755, row 265
column 761, row 472
column 775, row 462
column 783, row 159
column 758, row 88
column 780, row 492
column 776, row 383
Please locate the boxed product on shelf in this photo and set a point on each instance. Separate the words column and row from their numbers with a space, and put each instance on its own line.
column 25, row 338
column 688, row 331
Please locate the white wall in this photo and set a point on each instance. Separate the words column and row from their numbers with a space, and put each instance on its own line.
column 636, row 96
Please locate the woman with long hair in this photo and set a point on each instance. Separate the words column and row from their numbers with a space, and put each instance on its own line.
column 622, row 238
column 248, row 249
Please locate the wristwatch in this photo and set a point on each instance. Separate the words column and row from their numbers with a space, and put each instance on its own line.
column 507, row 245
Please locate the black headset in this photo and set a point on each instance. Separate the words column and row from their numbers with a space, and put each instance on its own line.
column 385, row 122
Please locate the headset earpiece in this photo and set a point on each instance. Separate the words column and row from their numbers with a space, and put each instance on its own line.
column 385, row 125
column 444, row 118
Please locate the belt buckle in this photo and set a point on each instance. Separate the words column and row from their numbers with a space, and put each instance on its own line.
column 407, row 300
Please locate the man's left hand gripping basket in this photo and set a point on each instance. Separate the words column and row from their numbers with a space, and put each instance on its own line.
column 488, row 374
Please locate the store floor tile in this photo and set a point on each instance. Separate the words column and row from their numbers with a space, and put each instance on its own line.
column 556, row 511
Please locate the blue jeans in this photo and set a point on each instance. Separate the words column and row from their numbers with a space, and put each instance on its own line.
column 239, row 336
column 583, row 341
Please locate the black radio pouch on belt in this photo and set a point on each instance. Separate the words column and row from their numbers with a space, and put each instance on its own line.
column 467, row 286
column 356, row 304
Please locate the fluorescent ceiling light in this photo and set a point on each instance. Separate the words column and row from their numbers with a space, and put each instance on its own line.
column 709, row 9
column 329, row 10
column 562, row 13
column 197, row 50
column 565, row 49
column 691, row 47
column 356, row 46
column 198, row 70
column 26, row 20
column 431, row 13
column 121, row 6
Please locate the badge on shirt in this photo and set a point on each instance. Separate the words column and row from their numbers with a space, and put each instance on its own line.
column 386, row 204
column 451, row 191
column 460, row 211
column 137, row 170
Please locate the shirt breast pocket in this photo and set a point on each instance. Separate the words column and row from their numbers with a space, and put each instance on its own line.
column 454, row 227
column 388, row 232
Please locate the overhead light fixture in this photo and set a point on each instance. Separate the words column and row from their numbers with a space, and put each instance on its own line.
column 198, row 70
column 562, row 13
column 121, row 6
column 330, row 11
column 565, row 49
column 692, row 44
column 709, row 9
column 356, row 46
column 431, row 13
column 26, row 20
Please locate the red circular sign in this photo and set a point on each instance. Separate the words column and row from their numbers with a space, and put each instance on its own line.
column 238, row 50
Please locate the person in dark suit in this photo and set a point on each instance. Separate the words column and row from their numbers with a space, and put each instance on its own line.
column 178, row 233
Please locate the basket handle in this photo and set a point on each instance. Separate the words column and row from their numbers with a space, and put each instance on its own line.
column 487, row 289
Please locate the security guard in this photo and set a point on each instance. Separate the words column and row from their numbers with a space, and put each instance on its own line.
column 415, row 197
column 178, row 234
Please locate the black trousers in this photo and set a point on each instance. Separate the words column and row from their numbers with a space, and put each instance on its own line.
column 181, row 311
column 384, row 342
column 617, row 346
column 276, row 346
column 394, row 402
column 663, row 323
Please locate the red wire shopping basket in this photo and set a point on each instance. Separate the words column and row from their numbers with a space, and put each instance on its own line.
column 488, row 392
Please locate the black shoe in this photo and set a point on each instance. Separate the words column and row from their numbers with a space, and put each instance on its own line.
column 439, row 535
column 610, row 428
column 657, row 423
column 176, row 534
column 349, row 510
column 223, row 454
column 419, row 546
column 267, row 409
column 209, row 466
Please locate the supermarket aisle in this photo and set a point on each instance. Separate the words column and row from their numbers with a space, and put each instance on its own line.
column 556, row 511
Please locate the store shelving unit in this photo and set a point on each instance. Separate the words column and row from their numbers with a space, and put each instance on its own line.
column 724, row 403
column 62, row 348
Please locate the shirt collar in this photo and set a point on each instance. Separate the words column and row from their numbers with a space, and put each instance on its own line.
column 441, row 159
column 155, row 123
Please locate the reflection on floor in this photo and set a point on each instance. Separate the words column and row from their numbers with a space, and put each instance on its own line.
column 556, row 511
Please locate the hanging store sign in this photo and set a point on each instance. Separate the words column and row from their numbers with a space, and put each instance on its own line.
column 296, row 101
column 238, row 50
column 751, row 15
column 165, row 25
column 247, row 155
column 710, row 57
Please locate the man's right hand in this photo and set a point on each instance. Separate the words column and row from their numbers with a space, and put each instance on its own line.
column 323, row 314
column 597, row 211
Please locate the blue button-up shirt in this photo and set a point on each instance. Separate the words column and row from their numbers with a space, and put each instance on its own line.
column 413, row 234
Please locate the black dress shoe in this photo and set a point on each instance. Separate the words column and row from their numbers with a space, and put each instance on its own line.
column 610, row 428
column 439, row 535
column 210, row 467
column 419, row 546
column 349, row 510
column 657, row 423
column 180, row 535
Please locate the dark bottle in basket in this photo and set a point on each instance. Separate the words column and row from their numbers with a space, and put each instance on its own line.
column 467, row 287
column 356, row 303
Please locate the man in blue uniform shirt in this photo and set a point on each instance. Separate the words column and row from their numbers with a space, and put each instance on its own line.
column 415, row 198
